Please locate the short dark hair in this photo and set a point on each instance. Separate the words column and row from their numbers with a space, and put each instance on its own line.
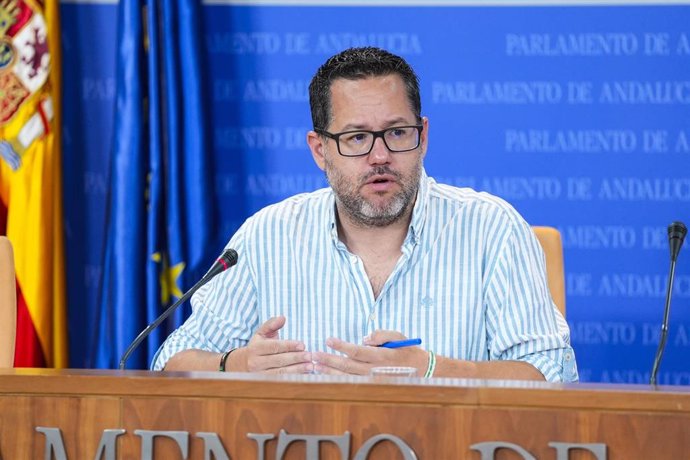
column 355, row 64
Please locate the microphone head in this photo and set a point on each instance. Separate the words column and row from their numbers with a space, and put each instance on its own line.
column 229, row 256
column 226, row 260
column 676, row 236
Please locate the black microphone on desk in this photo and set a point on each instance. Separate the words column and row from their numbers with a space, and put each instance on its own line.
column 676, row 235
column 226, row 260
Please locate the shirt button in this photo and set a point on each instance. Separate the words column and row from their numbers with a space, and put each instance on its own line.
column 372, row 317
column 568, row 357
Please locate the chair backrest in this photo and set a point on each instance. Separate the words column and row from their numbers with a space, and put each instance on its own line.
column 550, row 240
column 8, row 304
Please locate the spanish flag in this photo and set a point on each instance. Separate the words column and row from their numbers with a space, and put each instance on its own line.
column 31, row 176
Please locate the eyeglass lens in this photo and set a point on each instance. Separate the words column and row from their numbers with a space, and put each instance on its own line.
column 397, row 139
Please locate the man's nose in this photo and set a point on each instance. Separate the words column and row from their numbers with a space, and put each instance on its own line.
column 379, row 152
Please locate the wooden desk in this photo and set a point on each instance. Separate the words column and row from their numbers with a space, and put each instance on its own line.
column 437, row 419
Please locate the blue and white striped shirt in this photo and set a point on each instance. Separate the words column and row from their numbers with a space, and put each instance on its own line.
column 471, row 282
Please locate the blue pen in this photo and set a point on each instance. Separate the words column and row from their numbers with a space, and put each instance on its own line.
column 401, row 343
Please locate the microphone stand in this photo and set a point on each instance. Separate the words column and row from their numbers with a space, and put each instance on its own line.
column 226, row 260
column 676, row 235
column 664, row 325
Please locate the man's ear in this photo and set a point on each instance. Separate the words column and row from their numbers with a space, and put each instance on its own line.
column 425, row 136
column 317, row 146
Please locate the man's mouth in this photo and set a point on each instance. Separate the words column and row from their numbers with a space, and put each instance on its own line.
column 381, row 183
column 380, row 179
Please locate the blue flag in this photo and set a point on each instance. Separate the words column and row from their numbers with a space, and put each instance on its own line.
column 160, row 214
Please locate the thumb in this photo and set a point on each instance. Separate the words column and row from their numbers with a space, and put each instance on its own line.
column 269, row 329
column 380, row 336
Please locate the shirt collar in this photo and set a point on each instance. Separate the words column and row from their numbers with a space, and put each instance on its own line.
column 332, row 227
column 414, row 233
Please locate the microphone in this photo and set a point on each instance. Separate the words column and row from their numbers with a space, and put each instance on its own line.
column 676, row 235
column 226, row 260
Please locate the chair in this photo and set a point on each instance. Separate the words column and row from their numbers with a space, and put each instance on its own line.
column 550, row 240
column 8, row 304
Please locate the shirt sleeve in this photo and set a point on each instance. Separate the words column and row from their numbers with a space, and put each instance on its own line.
column 523, row 322
column 223, row 312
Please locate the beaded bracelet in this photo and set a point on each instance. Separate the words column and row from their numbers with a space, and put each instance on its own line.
column 432, row 365
column 224, row 358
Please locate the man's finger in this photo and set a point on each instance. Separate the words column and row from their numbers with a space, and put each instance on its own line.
column 347, row 367
column 270, row 328
column 268, row 362
column 340, row 363
column 300, row 368
column 380, row 336
column 356, row 352
column 275, row 347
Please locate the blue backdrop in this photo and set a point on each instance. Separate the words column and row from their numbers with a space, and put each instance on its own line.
column 577, row 115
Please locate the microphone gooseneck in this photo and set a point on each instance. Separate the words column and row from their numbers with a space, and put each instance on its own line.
column 226, row 260
column 676, row 236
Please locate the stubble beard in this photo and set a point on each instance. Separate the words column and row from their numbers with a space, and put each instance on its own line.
column 364, row 212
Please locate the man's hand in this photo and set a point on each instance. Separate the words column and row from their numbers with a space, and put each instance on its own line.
column 359, row 359
column 265, row 352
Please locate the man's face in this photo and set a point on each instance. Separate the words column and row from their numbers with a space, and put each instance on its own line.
column 379, row 188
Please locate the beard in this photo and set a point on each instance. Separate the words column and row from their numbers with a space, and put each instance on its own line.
column 367, row 213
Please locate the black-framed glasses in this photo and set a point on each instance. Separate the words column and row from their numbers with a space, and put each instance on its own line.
column 359, row 143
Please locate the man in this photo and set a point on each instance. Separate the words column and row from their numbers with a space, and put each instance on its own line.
column 385, row 253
